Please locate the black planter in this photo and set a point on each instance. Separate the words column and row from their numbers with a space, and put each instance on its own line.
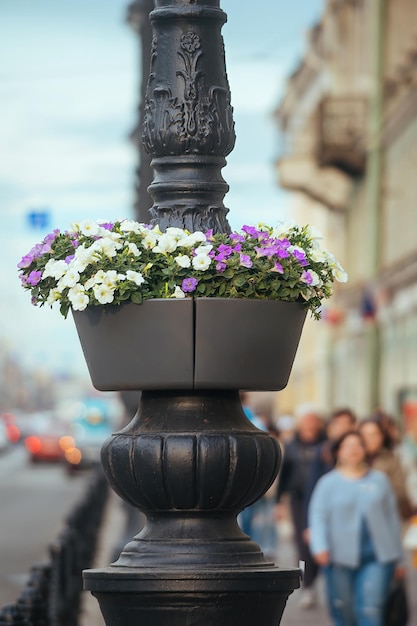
column 246, row 344
column 138, row 346
column 206, row 343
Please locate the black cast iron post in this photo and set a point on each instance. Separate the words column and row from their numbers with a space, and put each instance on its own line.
column 188, row 123
column 190, row 460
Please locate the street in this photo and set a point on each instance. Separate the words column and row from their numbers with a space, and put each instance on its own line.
column 35, row 499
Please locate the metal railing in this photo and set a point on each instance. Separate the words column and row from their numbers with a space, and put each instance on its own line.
column 52, row 594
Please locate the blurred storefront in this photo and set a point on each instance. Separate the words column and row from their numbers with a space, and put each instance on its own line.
column 348, row 120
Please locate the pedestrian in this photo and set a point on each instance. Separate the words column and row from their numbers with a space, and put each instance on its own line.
column 355, row 535
column 341, row 421
column 380, row 456
column 286, row 428
column 293, row 479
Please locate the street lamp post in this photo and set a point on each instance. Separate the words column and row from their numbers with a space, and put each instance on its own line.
column 190, row 459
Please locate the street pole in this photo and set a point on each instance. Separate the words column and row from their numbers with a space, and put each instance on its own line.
column 190, row 459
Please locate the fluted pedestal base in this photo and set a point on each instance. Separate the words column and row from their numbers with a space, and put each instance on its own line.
column 191, row 461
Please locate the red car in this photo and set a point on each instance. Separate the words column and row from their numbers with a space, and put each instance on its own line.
column 47, row 440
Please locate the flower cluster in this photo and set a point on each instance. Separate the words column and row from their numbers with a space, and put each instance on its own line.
column 97, row 263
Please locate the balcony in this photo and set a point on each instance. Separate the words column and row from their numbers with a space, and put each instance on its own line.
column 341, row 136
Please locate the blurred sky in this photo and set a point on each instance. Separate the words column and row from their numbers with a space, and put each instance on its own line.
column 69, row 85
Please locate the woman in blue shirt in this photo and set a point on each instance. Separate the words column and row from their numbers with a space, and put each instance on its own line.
column 355, row 535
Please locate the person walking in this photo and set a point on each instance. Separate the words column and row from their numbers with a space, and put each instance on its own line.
column 298, row 455
column 341, row 421
column 355, row 535
column 381, row 456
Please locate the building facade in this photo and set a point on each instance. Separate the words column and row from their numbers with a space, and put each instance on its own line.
column 348, row 120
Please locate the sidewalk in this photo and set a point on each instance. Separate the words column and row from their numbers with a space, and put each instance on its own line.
column 112, row 530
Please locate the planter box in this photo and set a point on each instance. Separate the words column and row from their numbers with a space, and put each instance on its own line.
column 206, row 343
column 139, row 346
column 246, row 344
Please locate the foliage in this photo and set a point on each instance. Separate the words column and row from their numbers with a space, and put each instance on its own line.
column 96, row 263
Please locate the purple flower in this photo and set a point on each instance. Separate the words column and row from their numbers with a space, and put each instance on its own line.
column 34, row 277
column 221, row 266
column 36, row 251
column 284, row 243
column 236, row 237
column 300, row 256
column 107, row 225
column 245, row 260
column 307, row 278
column 69, row 258
column 189, row 284
column 237, row 247
column 224, row 250
column 267, row 251
column 209, row 235
column 251, row 231
column 25, row 261
column 52, row 236
column 282, row 253
column 277, row 268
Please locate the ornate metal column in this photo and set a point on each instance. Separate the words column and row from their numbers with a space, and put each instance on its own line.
column 188, row 125
column 190, row 459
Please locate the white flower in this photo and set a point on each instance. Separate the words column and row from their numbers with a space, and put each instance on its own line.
column 135, row 277
column 192, row 239
column 103, row 293
column 54, row 269
column 53, row 296
column 201, row 262
column 129, row 226
column 282, row 229
column 339, row 274
column 317, row 255
column 314, row 233
column 177, row 233
column 133, row 249
column 166, row 243
column 90, row 228
column 89, row 284
column 78, row 298
column 178, row 293
column 98, row 277
column 69, row 279
column 111, row 278
column 150, row 240
column 107, row 247
column 204, row 249
column 183, row 260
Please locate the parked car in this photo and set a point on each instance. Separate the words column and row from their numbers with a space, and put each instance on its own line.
column 92, row 424
column 47, row 438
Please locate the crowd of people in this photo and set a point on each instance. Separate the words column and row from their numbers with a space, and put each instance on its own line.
column 349, row 489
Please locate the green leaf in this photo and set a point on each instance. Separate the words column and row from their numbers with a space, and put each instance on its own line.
column 137, row 297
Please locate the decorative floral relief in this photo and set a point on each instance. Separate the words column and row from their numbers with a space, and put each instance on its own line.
column 200, row 122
